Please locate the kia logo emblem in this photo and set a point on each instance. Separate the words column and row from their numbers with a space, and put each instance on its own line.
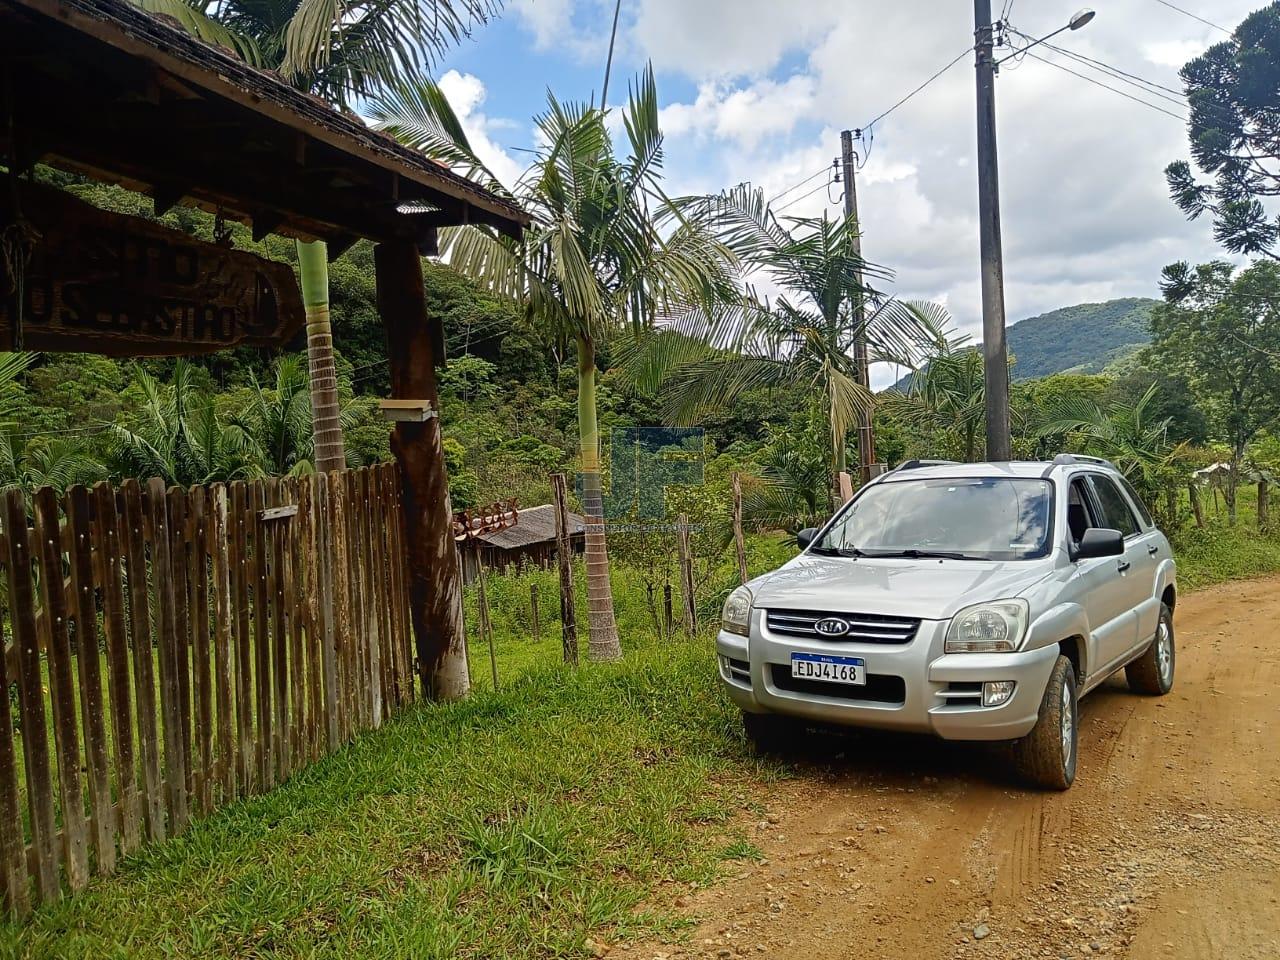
column 831, row 627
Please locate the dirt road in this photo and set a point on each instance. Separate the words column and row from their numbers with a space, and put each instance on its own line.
column 1168, row 845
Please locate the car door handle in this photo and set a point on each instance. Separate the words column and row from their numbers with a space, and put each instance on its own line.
column 1123, row 565
column 1152, row 550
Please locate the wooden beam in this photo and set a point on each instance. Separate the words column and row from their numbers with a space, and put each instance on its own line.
column 264, row 223
column 164, row 198
column 435, row 580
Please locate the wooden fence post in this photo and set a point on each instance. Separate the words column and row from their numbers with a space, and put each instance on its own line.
column 1198, row 510
column 686, row 577
column 739, row 541
column 533, row 612
column 564, row 557
column 486, row 627
column 668, row 618
column 1264, row 491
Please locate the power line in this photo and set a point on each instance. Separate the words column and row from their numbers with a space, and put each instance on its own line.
column 872, row 122
column 782, row 193
column 826, row 185
column 1104, row 86
column 1188, row 13
column 1149, row 86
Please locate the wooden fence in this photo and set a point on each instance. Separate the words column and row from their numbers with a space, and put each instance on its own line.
column 175, row 649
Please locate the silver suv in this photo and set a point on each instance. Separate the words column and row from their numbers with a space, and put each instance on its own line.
column 972, row 601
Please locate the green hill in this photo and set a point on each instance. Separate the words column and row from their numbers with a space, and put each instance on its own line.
column 1084, row 338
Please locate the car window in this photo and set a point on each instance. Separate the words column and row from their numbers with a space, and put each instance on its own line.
column 1136, row 500
column 1080, row 515
column 1116, row 512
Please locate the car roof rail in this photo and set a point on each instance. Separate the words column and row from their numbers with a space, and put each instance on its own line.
column 1066, row 459
column 917, row 464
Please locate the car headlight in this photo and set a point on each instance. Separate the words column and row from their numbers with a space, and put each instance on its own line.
column 996, row 627
column 736, row 615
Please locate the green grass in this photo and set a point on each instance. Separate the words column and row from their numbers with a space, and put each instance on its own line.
column 516, row 824
column 1222, row 552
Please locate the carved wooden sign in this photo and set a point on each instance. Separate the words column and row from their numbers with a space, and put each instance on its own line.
column 102, row 282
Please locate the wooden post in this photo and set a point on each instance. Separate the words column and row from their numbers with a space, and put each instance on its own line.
column 739, row 541
column 686, row 577
column 1264, row 511
column 668, row 619
column 415, row 348
column 846, row 485
column 564, row 556
column 533, row 612
column 1195, row 504
column 486, row 627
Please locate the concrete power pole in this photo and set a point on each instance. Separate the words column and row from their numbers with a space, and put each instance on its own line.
column 866, row 436
column 995, row 356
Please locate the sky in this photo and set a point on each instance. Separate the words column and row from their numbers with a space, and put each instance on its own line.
column 758, row 91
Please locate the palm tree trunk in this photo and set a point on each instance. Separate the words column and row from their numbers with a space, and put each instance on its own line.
column 313, row 266
column 839, row 461
column 602, row 630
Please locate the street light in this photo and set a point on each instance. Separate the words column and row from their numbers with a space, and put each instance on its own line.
column 995, row 352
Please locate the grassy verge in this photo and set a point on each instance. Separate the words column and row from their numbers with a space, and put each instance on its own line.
column 1220, row 551
column 517, row 824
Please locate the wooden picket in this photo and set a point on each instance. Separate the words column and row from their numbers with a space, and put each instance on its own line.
column 176, row 649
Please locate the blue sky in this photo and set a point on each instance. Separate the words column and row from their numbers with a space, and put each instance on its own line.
column 756, row 90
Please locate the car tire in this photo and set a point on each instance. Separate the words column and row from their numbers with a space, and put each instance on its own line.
column 1152, row 673
column 1046, row 757
column 769, row 732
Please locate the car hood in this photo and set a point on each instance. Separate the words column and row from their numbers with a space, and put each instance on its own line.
column 927, row 589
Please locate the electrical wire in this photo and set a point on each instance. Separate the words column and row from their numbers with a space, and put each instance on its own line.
column 782, row 193
column 1158, row 89
column 872, row 122
column 1188, row 13
column 808, row 193
column 1104, row 86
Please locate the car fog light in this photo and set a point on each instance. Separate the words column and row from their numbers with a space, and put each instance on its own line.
column 996, row 692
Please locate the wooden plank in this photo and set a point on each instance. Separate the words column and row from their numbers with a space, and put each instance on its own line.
column 292, row 593
column 357, row 517
column 218, row 546
column 162, row 576
column 324, row 527
column 260, row 551
column 92, row 716
column 61, row 687
column 390, row 523
column 179, row 550
column 300, row 617
column 314, row 627
column 107, row 571
column 374, row 605
column 35, row 736
column 341, row 583
column 407, row 647
column 279, row 633
column 144, row 682
column 198, row 612
column 13, row 853
column 564, row 560
column 240, row 573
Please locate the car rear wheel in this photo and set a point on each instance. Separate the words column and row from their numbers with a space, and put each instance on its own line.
column 769, row 732
column 1152, row 673
column 1046, row 757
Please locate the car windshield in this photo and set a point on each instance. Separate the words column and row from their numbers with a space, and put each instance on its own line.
column 970, row 518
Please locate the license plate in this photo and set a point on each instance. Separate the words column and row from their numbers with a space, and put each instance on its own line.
column 828, row 669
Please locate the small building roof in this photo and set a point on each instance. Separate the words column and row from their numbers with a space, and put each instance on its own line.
column 103, row 88
column 534, row 525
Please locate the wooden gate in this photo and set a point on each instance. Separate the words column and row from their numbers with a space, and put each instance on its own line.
column 174, row 649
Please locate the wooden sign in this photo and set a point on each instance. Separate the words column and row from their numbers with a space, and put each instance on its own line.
column 101, row 282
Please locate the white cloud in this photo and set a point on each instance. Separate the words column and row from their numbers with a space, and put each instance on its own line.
column 466, row 94
column 742, row 114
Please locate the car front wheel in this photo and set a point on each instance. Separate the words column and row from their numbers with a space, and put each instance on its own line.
column 1046, row 757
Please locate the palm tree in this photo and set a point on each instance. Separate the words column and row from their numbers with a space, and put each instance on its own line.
column 44, row 462
column 341, row 53
column 276, row 422
column 177, row 435
column 801, row 341
column 608, row 250
column 1122, row 433
column 945, row 394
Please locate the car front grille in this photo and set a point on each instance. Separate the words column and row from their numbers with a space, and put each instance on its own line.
column 862, row 627
column 879, row 688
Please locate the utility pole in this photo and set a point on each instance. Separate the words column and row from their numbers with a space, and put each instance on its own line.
column 995, row 360
column 866, row 438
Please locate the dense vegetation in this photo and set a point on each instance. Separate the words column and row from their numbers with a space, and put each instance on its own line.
column 1085, row 338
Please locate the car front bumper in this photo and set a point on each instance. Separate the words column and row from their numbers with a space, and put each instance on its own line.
column 914, row 687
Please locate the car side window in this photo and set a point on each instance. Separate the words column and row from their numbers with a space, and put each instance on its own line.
column 1079, row 511
column 1143, row 512
column 1116, row 512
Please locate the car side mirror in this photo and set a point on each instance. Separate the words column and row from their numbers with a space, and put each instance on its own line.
column 1100, row 542
column 806, row 537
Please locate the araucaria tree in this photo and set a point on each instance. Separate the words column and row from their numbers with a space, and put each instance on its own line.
column 340, row 52
column 607, row 251
column 1221, row 330
column 1233, row 90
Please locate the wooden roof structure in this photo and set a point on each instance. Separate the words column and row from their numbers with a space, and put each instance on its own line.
column 102, row 88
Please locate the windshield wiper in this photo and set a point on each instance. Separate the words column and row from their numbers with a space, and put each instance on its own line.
column 914, row 554
column 838, row 552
